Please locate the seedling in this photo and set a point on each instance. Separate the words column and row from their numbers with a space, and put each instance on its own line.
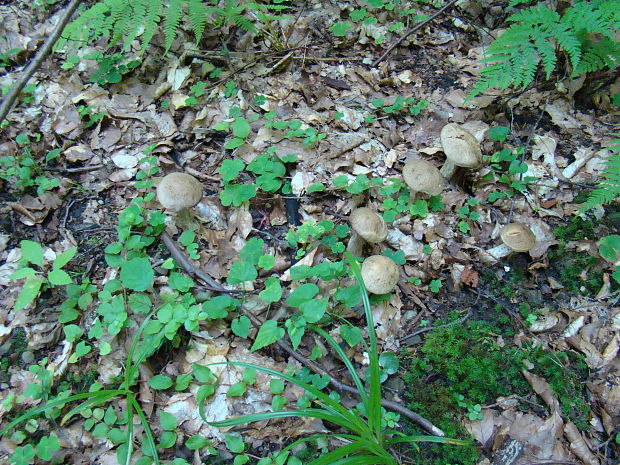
column 39, row 275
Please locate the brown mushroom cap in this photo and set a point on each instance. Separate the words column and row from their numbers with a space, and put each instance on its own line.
column 380, row 274
column 518, row 237
column 460, row 146
column 368, row 224
column 423, row 176
column 177, row 191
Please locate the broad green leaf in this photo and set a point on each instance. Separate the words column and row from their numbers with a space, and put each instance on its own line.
column 313, row 310
column 203, row 374
column 234, row 443
column 167, row 421
column 389, row 362
column 28, row 293
column 230, row 169
column 241, row 271
column 160, row 382
column 268, row 333
column 266, row 262
column 252, row 250
column 352, row 335
column 240, row 128
column 72, row 332
column 276, row 386
column 59, row 277
column 23, row 273
column 272, row 291
column 32, row 252
column 182, row 382
column 167, row 439
column 197, row 442
column 62, row 259
column 47, row 446
column 137, row 274
column 302, row 294
column 249, row 376
column 341, row 28
column 236, row 390
column 241, row 326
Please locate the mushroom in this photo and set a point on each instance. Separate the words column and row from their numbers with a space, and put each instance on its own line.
column 461, row 149
column 177, row 191
column 380, row 274
column 516, row 237
column 366, row 226
column 423, row 176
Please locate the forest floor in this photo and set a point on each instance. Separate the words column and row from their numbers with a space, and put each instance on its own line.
column 519, row 351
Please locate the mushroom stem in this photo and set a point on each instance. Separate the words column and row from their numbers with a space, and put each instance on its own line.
column 500, row 251
column 356, row 244
column 448, row 169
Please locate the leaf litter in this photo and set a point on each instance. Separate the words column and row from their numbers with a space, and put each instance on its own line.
column 568, row 147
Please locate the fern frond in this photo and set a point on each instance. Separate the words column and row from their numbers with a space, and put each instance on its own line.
column 608, row 188
column 151, row 19
column 197, row 13
column 172, row 18
column 586, row 33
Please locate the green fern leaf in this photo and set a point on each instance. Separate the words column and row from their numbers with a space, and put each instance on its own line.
column 172, row 18
column 151, row 20
column 608, row 188
column 197, row 13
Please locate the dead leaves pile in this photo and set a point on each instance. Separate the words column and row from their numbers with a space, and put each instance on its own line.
column 567, row 148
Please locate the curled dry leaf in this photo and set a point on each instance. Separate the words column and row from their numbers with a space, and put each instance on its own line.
column 578, row 445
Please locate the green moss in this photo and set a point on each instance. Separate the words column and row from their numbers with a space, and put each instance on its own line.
column 465, row 359
column 19, row 344
column 570, row 268
column 577, row 229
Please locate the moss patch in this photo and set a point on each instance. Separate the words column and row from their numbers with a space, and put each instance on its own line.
column 464, row 365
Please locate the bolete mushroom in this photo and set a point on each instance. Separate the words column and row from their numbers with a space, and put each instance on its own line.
column 461, row 149
column 423, row 176
column 516, row 237
column 366, row 226
column 177, row 191
column 380, row 274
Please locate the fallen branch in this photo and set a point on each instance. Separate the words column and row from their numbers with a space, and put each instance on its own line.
column 187, row 265
column 411, row 31
column 43, row 52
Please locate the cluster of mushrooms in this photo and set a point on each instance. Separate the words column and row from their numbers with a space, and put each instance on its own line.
column 179, row 191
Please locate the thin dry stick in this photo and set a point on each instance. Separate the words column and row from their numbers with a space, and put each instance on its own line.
column 43, row 52
column 411, row 31
column 185, row 263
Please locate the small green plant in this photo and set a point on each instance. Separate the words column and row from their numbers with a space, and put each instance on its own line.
column 23, row 170
column 609, row 249
column 97, row 396
column 507, row 167
column 111, row 67
column 366, row 429
column 585, row 33
column 467, row 214
column 38, row 273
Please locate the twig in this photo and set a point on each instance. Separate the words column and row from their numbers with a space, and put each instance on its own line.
column 43, row 52
column 77, row 169
column 412, row 30
column 182, row 260
column 430, row 328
